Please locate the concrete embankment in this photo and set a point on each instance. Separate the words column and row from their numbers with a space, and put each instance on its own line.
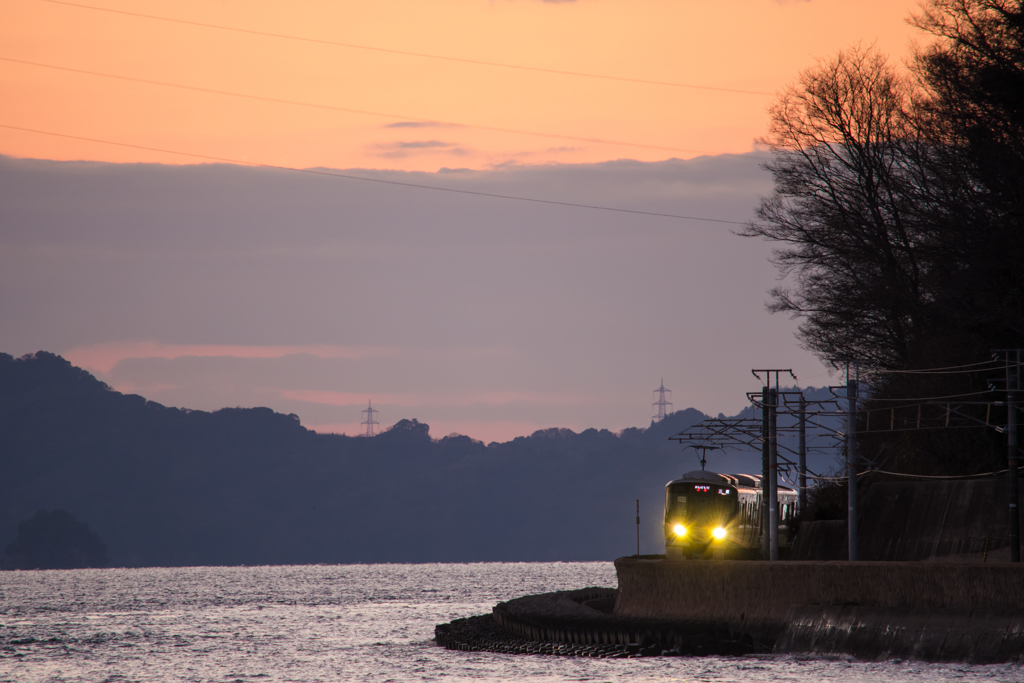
column 870, row 610
column 906, row 521
column 937, row 588
column 580, row 623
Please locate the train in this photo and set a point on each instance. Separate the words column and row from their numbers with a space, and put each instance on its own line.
column 712, row 515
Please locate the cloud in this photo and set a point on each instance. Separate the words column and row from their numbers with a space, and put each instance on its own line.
column 457, row 399
column 420, row 124
column 400, row 150
column 105, row 357
column 207, row 286
column 423, row 144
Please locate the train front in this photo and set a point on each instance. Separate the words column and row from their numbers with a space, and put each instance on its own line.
column 700, row 515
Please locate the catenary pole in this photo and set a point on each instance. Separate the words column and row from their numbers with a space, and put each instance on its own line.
column 851, row 464
column 773, row 476
column 802, row 454
column 1012, row 495
column 765, row 448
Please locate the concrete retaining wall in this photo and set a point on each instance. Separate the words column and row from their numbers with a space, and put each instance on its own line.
column 821, row 541
column 945, row 521
column 946, row 635
column 757, row 597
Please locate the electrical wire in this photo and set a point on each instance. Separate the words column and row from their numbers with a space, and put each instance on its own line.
column 407, row 53
column 918, row 476
column 992, row 368
column 348, row 110
column 436, row 188
column 950, row 367
column 915, row 399
column 950, row 370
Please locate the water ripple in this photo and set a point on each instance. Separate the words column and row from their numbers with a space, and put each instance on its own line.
column 337, row 623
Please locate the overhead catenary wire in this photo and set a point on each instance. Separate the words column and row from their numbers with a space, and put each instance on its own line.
column 346, row 176
column 348, row 110
column 407, row 53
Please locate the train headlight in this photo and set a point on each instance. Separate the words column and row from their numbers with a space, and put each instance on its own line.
column 679, row 530
column 718, row 533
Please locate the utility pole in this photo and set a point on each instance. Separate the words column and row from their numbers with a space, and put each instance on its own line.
column 773, row 476
column 765, row 492
column 851, row 462
column 1012, row 490
column 770, row 462
column 801, row 462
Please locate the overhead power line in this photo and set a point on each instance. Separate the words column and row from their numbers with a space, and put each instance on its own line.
column 989, row 366
column 436, row 188
column 917, row 476
column 364, row 112
column 407, row 53
column 913, row 400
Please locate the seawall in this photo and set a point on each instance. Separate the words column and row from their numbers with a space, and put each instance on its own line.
column 580, row 623
column 870, row 610
column 935, row 521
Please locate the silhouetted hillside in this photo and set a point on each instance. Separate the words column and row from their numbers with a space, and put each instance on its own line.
column 168, row 486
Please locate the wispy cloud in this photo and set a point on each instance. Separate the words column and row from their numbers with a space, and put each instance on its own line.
column 420, row 124
column 423, row 144
column 398, row 150
column 433, row 399
column 104, row 357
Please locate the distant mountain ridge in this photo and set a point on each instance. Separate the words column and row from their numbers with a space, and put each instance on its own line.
column 171, row 487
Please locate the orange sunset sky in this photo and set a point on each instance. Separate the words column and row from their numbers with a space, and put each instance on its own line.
column 208, row 285
column 749, row 45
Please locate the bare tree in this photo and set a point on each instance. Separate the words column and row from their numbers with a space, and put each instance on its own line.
column 898, row 212
column 844, row 209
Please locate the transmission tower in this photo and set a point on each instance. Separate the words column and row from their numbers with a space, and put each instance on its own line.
column 369, row 421
column 662, row 402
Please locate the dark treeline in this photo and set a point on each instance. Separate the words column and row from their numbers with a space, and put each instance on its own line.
column 899, row 213
column 170, row 487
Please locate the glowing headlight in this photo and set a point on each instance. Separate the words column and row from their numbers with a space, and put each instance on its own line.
column 679, row 530
column 718, row 533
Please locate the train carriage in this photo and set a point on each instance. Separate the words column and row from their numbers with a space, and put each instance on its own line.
column 717, row 515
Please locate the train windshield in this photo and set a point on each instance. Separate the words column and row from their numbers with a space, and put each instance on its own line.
column 694, row 502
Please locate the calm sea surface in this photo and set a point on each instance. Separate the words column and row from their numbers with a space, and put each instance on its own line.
column 336, row 623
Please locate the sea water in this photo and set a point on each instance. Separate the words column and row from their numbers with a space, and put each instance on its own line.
column 339, row 623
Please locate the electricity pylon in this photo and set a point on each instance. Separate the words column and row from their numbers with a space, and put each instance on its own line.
column 662, row 401
column 369, row 421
